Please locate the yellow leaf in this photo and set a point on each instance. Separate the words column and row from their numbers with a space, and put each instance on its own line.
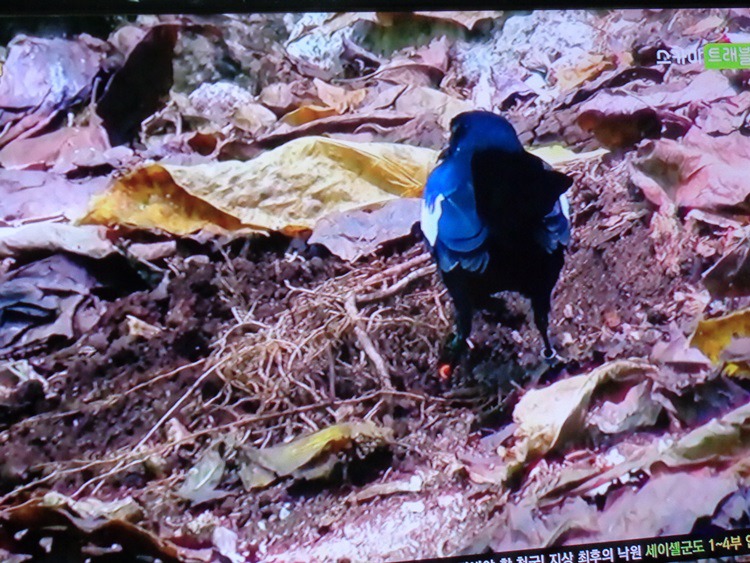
column 571, row 76
column 340, row 99
column 309, row 457
column 558, row 154
column 149, row 199
column 287, row 189
column 308, row 113
column 713, row 336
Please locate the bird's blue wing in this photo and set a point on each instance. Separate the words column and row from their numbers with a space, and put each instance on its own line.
column 554, row 231
column 450, row 221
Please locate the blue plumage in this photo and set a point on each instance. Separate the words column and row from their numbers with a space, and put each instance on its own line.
column 496, row 219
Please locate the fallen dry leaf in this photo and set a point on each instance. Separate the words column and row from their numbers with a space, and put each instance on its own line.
column 417, row 100
column 338, row 98
column 148, row 198
column 120, row 509
column 413, row 485
column 310, row 457
column 638, row 409
column 308, row 113
column 718, row 440
column 203, row 478
column 548, row 417
column 33, row 195
column 75, row 527
column 31, row 92
column 333, row 124
column 62, row 151
column 49, row 298
column 697, row 172
column 652, row 508
column 714, row 336
column 334, row 100
column 678, row 351
column 569, row 76
column 467, row 19
column 353, row 234
column 730, row 276
column 283, row 97
column 288, row 189
column 85, row 240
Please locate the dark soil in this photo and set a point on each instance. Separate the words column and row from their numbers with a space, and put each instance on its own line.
column 103, row 401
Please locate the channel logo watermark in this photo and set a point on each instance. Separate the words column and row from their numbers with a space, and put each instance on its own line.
column 679, row 55
column 726, row 55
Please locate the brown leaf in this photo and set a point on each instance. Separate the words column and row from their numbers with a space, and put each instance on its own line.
column 283, row 97
column 353, row 234
column 697, row 172
column 63, row 150
column 723, row 117
column 730, row 276
column 550, row 417
column 467, row 19
column 333, row 124
column 570, row 76
column 31, row 93
column 45, row 299
column 340, row 99
column 71, row 530
column 652, row 508
column 620, row 117
column 413, row 485
column 84, row 240
column 30, row 195
column 636, row 410
column 678, row 351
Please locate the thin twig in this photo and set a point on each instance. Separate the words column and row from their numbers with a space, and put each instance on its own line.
column 167, row 415
column 398, row 269
column 366, row 344
column 396, row 287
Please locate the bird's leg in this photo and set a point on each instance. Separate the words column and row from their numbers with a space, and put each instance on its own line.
column 456, row 344
column 541, row 306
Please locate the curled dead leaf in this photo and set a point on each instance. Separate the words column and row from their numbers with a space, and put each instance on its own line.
column 311, row 457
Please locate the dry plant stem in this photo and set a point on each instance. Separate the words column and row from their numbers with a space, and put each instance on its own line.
column 396, row 287
column 399, row 268
column 365, row 342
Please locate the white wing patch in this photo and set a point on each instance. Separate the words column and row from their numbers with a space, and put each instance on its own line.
column 565, row 206
column 430, row 217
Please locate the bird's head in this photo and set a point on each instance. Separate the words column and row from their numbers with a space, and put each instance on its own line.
column 478, row 130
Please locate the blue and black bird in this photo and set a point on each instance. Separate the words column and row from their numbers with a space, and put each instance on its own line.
column 496, row 219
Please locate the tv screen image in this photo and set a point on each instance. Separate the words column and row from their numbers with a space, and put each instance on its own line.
column 375, row 286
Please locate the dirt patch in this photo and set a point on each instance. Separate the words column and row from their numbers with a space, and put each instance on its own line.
column 115, row 390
